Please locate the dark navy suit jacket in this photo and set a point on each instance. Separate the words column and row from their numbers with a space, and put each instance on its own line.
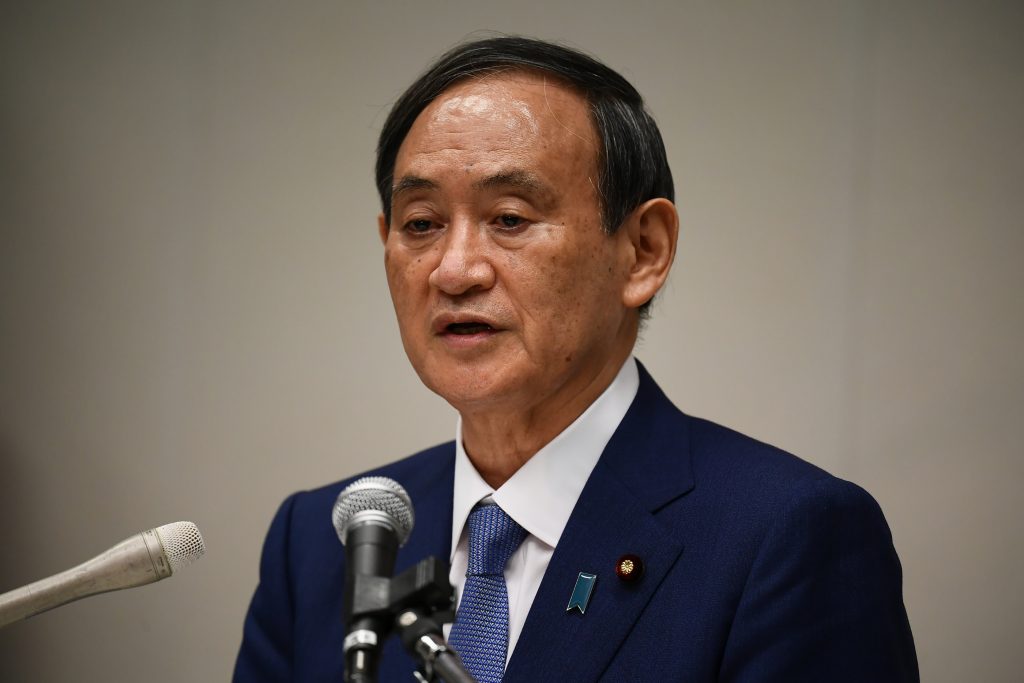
column 758, row 567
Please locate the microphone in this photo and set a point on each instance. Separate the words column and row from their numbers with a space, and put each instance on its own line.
column 373, row 517
column 147, row 557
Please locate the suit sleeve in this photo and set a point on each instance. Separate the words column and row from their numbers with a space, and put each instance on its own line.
column 823, row 601
column 266, row 652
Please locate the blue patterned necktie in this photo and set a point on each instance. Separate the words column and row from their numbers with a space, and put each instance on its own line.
column 480, row 632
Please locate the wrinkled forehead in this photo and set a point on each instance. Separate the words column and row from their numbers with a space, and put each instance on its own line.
column 530, row 98
column 504, row 121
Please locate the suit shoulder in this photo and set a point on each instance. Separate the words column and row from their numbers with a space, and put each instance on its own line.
column 725, row 458
column 416, row 472
column 721, row 446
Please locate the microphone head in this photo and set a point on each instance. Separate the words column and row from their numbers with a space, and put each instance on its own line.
column 182, row 542
column 374, row 500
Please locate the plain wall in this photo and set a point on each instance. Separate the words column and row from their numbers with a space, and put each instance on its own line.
column 194, row 320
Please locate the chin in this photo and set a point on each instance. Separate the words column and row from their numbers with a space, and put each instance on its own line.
column 466, row 387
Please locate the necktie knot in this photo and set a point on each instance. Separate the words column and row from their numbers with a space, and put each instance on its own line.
column 493, row 537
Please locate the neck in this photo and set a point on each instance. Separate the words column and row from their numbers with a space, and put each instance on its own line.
column 500, row 441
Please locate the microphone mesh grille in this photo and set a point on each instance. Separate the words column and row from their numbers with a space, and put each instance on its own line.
column 182, row 543
column 378, row 494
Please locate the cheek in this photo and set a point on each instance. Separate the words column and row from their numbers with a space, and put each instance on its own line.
column 402, row 272
column 558, row 297
column 586, row 298
column 389, row 266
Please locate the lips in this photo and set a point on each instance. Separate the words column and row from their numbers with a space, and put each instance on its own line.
column 468, row 328
column 464, row 325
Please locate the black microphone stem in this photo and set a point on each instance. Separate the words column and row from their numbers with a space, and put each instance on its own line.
column 421, row 636
column 450, row 669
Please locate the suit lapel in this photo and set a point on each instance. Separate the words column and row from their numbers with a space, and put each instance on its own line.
column 558, row 645
column 431, row 493
column 615, row 515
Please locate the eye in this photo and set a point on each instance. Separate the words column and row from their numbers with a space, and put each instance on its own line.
column 419, row 226
column 510, row 221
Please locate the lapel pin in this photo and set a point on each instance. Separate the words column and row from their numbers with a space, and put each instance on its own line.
column 581, row 592
column 629, row 568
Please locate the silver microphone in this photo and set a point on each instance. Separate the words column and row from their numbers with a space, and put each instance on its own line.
column 373, row 500
column 373, row 517
column 147, row 557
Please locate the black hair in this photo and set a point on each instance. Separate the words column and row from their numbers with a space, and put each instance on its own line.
column 632, row 163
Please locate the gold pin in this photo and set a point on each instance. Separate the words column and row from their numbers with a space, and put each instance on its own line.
column 629, row 568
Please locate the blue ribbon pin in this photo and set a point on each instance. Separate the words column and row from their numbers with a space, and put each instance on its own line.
column 581, row 593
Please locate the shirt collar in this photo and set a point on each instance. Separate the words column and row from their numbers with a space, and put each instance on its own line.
column 541, row 495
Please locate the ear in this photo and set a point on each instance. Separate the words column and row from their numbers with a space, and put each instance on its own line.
column 652, row 231
column 382, row 228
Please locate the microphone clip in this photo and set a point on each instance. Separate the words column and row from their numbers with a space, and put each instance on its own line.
column 415, row 604
column 424, row 585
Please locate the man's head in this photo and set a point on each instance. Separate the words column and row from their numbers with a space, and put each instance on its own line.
column 631, row 156
column 512, row 292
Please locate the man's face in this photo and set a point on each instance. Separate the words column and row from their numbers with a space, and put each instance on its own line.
column 507, row 290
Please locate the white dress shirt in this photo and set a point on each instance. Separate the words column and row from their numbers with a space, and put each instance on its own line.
column 540, row 496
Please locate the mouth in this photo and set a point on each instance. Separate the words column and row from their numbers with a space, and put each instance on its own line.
column 467, row 328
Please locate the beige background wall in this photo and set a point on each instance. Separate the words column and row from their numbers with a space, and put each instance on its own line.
column 194, row 320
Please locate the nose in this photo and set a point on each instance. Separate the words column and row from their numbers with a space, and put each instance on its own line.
column 464, row 266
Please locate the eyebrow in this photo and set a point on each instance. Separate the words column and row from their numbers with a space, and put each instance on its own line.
column 410, row 182
column 515, row 179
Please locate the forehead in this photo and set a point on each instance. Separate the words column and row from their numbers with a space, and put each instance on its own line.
column 512, row 118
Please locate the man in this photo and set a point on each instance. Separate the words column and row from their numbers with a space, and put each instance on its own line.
column 527, row 224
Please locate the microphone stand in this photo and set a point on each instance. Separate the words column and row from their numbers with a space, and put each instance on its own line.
column 421, row 635
column 415, row 603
